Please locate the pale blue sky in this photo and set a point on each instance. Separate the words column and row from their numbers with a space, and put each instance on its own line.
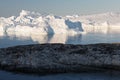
column 58, row 7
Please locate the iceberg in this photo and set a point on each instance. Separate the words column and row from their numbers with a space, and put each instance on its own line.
column 33, row 23
column 30, row 23
column 104, row 22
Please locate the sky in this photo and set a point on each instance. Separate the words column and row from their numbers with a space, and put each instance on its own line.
column 58, row 7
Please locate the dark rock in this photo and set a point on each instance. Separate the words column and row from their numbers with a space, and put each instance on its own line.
column 57, row 58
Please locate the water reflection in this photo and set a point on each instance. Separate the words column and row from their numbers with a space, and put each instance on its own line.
column 7, row 41
column 13, row 39
column 67, row 76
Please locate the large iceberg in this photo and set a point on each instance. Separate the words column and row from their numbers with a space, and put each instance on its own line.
column 31, row 23
column 28, row 23
column 105, row 22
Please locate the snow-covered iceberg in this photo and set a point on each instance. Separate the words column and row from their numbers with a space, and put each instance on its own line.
column 28, row 23
column 105, row 22
column 31, row 23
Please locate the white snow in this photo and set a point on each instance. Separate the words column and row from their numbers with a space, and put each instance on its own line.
column 31, row 23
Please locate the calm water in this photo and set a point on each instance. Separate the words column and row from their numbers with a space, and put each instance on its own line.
column 69, row 76
column 90, row 38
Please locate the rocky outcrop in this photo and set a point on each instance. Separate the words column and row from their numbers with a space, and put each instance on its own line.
column 56, row 58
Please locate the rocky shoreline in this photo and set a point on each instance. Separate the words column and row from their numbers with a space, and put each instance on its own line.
column 60, row 58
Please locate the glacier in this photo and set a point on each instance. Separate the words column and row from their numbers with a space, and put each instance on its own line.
column 32, row 23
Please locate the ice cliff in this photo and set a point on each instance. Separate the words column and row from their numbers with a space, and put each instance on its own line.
column 29, row 23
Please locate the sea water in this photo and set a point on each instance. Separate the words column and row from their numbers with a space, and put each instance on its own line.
column 88, row 38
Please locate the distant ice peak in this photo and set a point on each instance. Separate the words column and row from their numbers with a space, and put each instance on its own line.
column 24, row 12
column 29, row 13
